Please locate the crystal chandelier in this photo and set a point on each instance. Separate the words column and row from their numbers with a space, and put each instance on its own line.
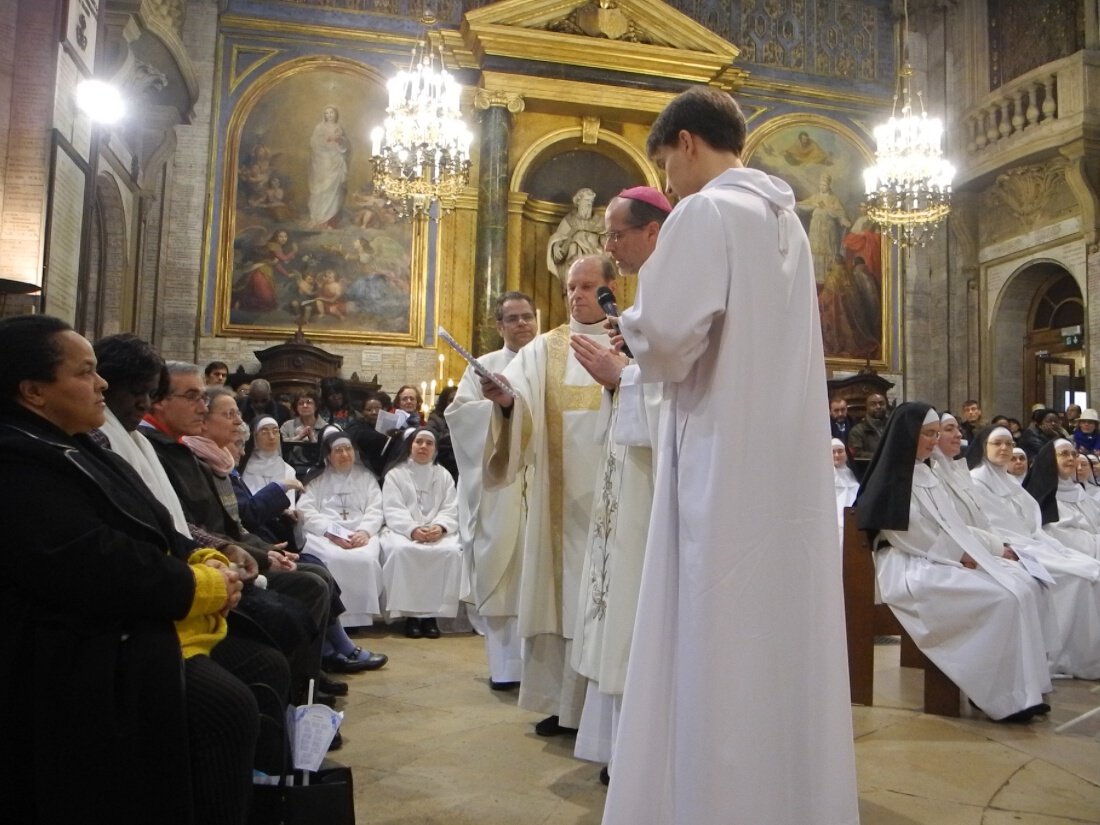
column 421, row 152
column 909, row 187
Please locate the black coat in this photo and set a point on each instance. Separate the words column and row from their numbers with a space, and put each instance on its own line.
column 91, row 675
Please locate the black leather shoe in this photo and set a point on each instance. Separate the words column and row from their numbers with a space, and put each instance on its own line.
column 337, row 742
column 550, row 727
column 331, row 687
column 605, row 776
column 430, row 628
column 356, row 662
column 502, row 685
column 412, row 628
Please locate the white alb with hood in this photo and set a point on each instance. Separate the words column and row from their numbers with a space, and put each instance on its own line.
column 741, row 609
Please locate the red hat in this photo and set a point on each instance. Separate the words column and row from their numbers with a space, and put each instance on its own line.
column 647, row 194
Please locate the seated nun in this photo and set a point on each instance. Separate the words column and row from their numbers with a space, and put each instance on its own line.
column 1017, row 520
column 1088, row 473
column 1017, row 465
column 1077, row 521
column 273, row 486
column 423, row 557
column 265, row 464
column 341, row 516
column 1052, row 479
column 965, row 607
column 845, row 482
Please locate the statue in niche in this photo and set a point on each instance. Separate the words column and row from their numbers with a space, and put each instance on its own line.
column 578, row 234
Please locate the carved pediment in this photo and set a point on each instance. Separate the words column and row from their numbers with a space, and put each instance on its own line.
column 636, row 36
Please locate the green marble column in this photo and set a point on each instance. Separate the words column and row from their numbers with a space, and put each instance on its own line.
column 491, row 253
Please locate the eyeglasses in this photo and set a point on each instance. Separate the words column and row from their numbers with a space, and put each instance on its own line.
column 616, row 235
column 191, row 396
column 526, row 317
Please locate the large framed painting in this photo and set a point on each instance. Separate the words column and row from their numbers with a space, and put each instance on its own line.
column 823, row 161
column 304, row 239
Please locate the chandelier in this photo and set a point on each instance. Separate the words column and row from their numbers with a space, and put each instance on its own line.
column 421, row 152
column 909, row 187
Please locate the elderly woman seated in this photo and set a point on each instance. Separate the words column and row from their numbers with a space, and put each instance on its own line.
column 423, row 557
column 844, row 481
column 974, row 613
column 107, row 609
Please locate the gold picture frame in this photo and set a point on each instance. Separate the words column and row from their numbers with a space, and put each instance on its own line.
column 303, row 240
column 823, row 161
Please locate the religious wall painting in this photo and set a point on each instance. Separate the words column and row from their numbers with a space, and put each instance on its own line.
column 823, row 162
column 305, row 240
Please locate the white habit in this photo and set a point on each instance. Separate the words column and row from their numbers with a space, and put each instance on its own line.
column 353, row 501
column 490, row 524
column 741, row 607
column 981, row 627
column 421, row 579
column 1075, row 596
column 552, row 429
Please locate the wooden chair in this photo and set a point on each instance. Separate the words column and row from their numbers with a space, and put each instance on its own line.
column 864, row 620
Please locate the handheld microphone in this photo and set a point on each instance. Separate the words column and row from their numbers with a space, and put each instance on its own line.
column 607, row 303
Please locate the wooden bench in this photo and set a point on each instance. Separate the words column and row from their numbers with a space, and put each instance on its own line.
column 864, row 620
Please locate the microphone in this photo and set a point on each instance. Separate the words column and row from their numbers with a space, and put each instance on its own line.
column 607, row 303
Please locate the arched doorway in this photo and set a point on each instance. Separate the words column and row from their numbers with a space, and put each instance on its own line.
column 1037, row 302
column 1054, row 370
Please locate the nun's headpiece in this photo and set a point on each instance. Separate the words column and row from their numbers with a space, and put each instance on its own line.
column 883, row 499
column 1042, row 480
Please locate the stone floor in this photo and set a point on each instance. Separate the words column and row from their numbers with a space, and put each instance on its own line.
column 430, row 743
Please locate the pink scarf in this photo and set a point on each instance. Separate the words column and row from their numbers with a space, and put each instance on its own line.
column 216, row 458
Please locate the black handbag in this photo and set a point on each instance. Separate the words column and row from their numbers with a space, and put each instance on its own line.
column 327, row 800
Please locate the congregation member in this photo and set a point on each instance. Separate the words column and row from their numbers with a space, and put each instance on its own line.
column 335, row 404
column 265, row 485
column 107, row 583
column 1076, row 521
column 864, row 437
column 264, row 465
column 260, row 402
column 550, row 425
column 971, row 422
column 615, row 550
column 209, row 502
column 839, row 421
column 376, row 449
column 1052, row 478
column 1088, row 475
column 1085, row 437
column 1045, row 426
column 726, row 567
column 845, row 483
column 1071, row 416
column 407, row 403
column 422, row 571
column 216, row 374
column 967, row 605
column 341, row 519
column 305, row 424
column 490, row 522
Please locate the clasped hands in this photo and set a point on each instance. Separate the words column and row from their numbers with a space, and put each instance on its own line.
column 427, row 535
column 968, row 562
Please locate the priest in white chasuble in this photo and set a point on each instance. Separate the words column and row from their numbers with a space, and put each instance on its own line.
column 550, row 426
column 736, row 706
column 490, row 523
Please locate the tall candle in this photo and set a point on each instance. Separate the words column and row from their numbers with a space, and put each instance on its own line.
column 538, row 322
column 441, row 368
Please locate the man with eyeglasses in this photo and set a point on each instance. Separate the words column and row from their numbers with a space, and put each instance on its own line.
column 490, row 524
column 181, row 411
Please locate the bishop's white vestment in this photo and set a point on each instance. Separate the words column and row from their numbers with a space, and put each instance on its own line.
column 737, row 684
column 552, row 430
column 490, row 524
column 352, row 501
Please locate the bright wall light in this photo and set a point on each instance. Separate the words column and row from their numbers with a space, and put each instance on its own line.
column 100, row 101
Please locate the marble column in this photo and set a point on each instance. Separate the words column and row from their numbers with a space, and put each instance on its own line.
column 491, row 253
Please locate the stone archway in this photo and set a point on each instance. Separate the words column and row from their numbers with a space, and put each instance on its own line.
column 101, row 309
column 1037, row 300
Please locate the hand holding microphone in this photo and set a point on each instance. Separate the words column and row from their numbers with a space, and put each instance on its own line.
column 606, row 299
